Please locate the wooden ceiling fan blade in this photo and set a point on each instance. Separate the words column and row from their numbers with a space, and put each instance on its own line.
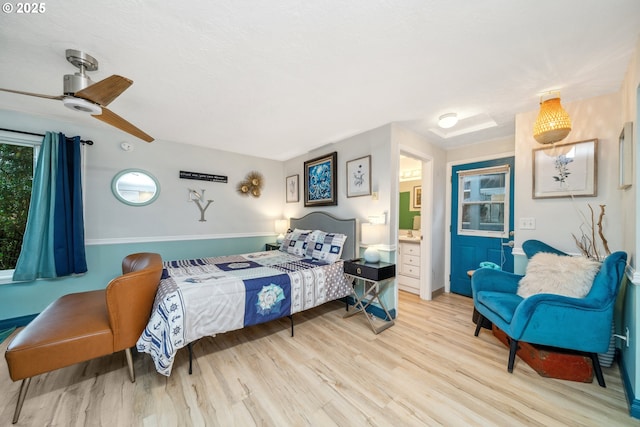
column 39, row 95
column 115, row 120
column 105, row 91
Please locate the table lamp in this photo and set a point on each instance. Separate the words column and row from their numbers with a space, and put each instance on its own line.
column 282, row 225
column 371, row 235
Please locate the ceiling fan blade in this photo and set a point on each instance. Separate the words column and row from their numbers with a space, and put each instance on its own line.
column 115, row 120
column 105, row 91
column 39, row 95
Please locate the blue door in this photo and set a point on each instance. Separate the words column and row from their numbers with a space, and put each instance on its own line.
column 481, row 219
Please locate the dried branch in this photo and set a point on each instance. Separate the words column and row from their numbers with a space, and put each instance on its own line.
column 587, row 241
column 593, row 236
column 605, row 244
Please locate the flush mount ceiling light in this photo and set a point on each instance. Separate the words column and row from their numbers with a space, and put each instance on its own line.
column 553, row 123
column 82, row 105
column 448, row 120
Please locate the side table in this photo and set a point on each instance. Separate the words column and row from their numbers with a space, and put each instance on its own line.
column 376, row 277
column 272, row 246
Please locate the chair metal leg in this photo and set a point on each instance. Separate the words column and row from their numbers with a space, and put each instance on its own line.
column 513, row 348
column 21, row 395
column 480, row 321
column 597, row 369
column 190, row 347
column 132, row 373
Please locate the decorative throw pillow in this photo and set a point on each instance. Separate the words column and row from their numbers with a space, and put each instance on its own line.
column 549, row 273
column 325, row 247
column 295, row 242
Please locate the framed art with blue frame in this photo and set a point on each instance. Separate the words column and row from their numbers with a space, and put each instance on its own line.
column 321, row 181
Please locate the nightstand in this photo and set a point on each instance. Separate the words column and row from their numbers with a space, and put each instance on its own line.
column 376, row 277
column 272, row 246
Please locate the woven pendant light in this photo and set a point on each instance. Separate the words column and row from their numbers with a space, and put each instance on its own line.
column 553, row 123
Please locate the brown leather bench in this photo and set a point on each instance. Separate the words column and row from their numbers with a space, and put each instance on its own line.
column 82, row 326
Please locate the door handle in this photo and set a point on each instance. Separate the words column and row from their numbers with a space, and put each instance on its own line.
column 510, row 243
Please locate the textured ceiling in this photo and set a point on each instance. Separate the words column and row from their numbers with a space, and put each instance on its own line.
column 276, row 79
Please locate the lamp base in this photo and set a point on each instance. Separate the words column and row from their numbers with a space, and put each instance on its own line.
column 371, row 255
column 280, row 238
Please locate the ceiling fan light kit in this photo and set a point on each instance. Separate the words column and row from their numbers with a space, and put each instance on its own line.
column 80, row 93
column 448, row 120
column 82, row 105
column 553, row 123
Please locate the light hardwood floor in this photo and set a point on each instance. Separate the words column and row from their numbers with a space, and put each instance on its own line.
column 428, row 369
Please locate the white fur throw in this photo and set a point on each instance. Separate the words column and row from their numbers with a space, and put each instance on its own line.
column 548, row 273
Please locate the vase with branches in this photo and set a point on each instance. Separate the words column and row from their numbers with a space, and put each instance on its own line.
column 587, row 243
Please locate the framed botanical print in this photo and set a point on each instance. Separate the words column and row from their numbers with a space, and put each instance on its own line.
column 359, row 177
column 566, row 170
column 292, row 188
column 321, row 181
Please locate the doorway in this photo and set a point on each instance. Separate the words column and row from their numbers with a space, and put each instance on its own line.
column 414, row 223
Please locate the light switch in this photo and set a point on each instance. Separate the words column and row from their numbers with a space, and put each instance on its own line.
column 527, row 223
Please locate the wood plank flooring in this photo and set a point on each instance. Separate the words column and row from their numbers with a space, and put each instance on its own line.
column 426, row 370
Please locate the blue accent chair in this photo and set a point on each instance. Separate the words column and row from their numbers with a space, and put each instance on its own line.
column 579, row 324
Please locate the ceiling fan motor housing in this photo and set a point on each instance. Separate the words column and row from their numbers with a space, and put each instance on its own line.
column 78, row 81
column 75, row 82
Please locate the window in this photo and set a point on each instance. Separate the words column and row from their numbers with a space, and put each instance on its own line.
column 483, row 208
column 17, row 164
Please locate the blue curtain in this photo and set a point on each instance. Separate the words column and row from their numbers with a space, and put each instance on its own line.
column 53, row 243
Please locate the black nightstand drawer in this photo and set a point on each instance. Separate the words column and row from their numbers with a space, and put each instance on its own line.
column 373, row 271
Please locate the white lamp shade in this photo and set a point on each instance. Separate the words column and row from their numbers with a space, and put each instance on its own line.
column 282, row 225
column 371, row 235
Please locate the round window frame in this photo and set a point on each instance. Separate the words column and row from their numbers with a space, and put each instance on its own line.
column 118, row 196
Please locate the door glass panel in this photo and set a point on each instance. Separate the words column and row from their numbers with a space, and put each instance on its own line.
column 483, row 205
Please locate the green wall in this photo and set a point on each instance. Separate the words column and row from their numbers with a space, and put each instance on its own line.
column 405, row 220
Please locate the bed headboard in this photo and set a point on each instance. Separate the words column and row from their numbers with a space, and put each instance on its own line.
column 327, row 222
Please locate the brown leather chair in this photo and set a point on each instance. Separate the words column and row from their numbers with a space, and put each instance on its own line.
column 86, row 325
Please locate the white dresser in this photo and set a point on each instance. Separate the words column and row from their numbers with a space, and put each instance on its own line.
column 409, row 265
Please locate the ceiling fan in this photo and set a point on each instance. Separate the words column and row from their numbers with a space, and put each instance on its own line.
column 82, row 94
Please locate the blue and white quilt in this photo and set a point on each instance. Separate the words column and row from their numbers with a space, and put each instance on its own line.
column 207, row 296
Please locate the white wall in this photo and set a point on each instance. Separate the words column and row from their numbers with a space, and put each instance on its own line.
column 433, row 196
column 481, row 150
column 171, row 214
column 556, row 219
column 375, row 143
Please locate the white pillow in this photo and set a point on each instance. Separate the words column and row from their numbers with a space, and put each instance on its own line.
column 325, row 247
column 295, row 242
column 549, row 273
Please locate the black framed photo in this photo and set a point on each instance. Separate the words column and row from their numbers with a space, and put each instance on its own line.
column 292, row 189
column 321, row 181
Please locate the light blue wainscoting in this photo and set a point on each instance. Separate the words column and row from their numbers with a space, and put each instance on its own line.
column 21, row 302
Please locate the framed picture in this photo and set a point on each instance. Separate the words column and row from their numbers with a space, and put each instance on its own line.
column 566, row 170
column 625, row 160
column 359, row 177
column 292, row 188
column 321, row 181
column 417, row 197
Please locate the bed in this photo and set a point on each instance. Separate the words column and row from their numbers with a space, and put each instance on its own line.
column 207, row 296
